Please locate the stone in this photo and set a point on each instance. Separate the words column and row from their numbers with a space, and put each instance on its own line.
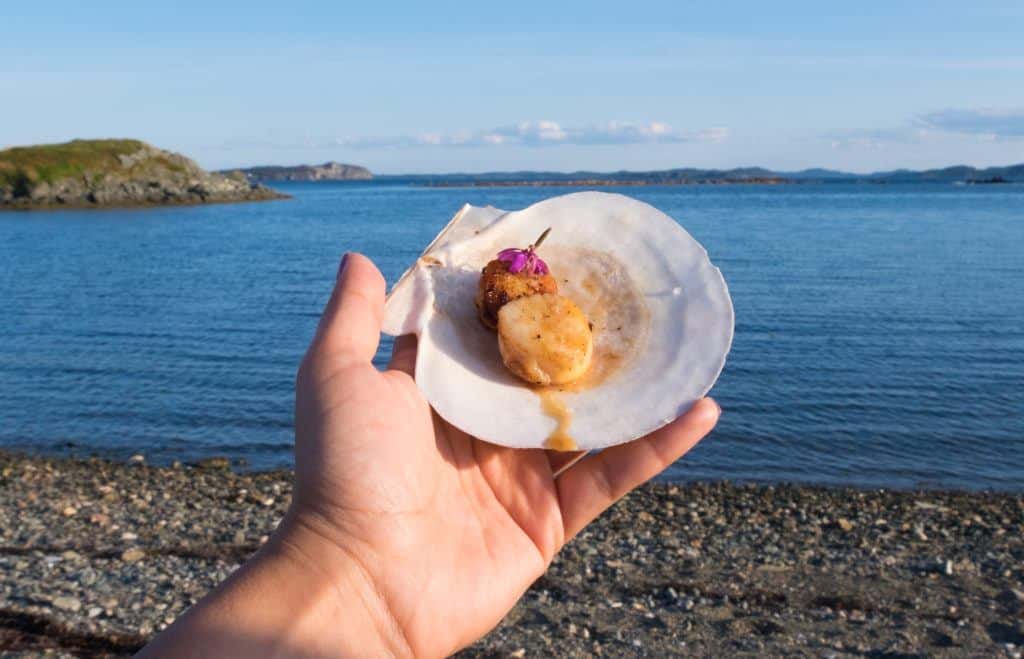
column 1012, row 599
column 132, row 555
column 137, row 459
column 72, row 604
column 100, row 519
column 214, row 463
column 69, row 511
column 845, row 524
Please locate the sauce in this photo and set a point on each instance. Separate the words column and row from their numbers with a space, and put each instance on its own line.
column 553, row 405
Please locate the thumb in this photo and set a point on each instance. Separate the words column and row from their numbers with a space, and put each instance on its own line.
column 349, row 328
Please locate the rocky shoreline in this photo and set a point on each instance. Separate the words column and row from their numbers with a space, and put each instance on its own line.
column 114, row 173
column 97, row 556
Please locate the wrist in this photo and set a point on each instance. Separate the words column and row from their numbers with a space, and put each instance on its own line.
column 339, row 608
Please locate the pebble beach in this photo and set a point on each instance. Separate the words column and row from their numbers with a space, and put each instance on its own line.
column 97, row 556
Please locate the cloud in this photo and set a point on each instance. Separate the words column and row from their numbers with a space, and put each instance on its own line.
column 986, row 122
column 984, row 125
column 542, row 133
column 878, row 138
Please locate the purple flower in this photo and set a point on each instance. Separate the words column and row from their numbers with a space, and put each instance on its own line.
column 520, row 260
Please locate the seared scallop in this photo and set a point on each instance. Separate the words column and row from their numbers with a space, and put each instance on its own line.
column 498, row 287
column 545, row 339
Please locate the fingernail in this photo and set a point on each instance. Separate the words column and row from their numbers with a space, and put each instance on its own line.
column 341, row 266
column 718, row 406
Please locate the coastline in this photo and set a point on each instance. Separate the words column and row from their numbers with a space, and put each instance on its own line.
column 96, row 556
column 176, row 203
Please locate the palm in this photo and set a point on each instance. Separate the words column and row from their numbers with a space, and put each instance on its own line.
column 451, row 529
column 491, row 514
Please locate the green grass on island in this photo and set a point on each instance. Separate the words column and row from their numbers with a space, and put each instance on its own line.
column 24, row 166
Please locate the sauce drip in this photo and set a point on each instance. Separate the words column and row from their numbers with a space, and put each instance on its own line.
column 553, row 405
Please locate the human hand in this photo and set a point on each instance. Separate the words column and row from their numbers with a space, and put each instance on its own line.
column 449, row 530
column 406, row 536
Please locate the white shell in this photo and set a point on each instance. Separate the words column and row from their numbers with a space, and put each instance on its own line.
column 681, row 297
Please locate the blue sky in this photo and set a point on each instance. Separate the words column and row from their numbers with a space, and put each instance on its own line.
column 445, row 86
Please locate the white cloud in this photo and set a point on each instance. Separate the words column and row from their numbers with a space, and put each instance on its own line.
column 878, row 138
column 981, row 125
column 526, row 133
column 987, row 123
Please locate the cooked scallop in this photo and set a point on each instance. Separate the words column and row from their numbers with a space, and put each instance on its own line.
column 545, row 339
column 498, row 287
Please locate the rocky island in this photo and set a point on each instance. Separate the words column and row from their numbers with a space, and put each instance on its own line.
column 117, row 172
column 329, row 171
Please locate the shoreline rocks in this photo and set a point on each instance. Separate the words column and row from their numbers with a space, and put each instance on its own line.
column 702, row 569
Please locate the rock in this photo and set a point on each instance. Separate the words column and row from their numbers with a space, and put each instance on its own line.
column 137, row 459
column 67, row 603
column 132, row 555
column 213, row 464
column 94, row 612
column 844, row 524
column 40, row 192
column 99, row 519
column 1012, row 599
column 129, row 536
column 69, row 511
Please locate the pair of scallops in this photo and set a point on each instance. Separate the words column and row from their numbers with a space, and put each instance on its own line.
column 544, row 338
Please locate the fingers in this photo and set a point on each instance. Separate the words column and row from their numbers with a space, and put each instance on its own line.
column 349, row 329
column 403, row 355
column 587, row 489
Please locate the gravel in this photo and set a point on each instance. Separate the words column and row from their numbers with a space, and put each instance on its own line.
column 97, row 556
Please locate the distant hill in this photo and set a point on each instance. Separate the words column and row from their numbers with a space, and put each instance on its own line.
column 683, row 176
column 329, row 171
column 95, row 173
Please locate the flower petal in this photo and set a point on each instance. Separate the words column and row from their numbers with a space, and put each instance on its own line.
column 518, row 263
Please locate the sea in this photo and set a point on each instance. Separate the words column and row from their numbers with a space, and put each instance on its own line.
column 879, row 328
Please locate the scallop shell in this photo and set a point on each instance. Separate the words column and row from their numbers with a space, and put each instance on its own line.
column 662, row 315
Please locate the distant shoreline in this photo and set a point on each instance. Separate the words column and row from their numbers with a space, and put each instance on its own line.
column 526, row 183
column 598, row 183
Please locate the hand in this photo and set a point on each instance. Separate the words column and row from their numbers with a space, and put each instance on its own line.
column 428, row 536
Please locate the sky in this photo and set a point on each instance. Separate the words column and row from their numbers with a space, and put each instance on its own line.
column 456, row 86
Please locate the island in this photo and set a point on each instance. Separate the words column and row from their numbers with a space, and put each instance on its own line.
column 114, row 172
column 329, row 171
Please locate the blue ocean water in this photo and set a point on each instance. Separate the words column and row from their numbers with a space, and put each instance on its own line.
column 879, row 337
